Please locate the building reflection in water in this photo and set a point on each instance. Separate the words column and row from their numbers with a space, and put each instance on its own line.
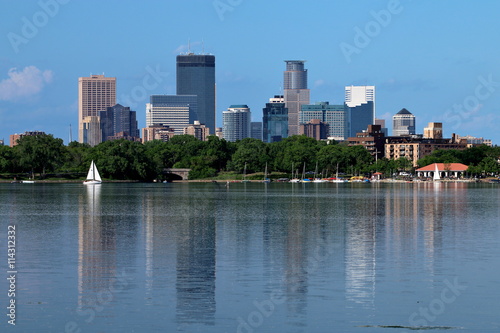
column 196, row 244
column 296, row 255
column 96, row 251
column 361, row 247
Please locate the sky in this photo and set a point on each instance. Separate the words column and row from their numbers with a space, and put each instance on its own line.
column 437, row 59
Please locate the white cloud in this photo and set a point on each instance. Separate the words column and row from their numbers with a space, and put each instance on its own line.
column 319, row 83
column 30, row 81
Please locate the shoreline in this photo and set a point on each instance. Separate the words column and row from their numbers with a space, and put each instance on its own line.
column 225, row 181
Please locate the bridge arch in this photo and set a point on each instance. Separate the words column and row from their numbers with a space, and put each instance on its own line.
column 183, row 173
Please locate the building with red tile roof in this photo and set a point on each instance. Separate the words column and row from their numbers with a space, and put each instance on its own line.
column 445, row 170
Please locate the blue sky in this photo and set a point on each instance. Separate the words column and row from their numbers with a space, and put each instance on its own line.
column 438, row 59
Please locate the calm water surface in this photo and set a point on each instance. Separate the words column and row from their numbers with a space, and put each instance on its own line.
column 253, row 257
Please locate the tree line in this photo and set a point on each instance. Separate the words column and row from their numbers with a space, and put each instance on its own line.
column 127, row 160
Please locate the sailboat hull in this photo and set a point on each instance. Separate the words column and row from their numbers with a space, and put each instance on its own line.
column 92, row 182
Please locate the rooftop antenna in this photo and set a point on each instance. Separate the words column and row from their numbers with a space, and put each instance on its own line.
column 70, row 134
column 189, row 46
column 203, row 46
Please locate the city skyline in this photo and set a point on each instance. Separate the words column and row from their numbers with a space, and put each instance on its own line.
column 442, row 70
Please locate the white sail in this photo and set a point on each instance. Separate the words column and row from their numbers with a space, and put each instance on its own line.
column 436, row 173
column 93, row 176
column 96, row 174
column 90, row 175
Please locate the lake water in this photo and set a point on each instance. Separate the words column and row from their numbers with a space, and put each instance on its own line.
column 201, row 257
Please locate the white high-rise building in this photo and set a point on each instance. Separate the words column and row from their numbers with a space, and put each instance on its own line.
column 360, row 101
column 236, row 123
column 174, row 111
column 358, row 95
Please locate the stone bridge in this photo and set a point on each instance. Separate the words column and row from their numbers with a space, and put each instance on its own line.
column 183, row 173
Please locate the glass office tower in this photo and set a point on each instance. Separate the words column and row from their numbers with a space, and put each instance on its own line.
column 333, row 115
column 275, row 120
column 196, row 76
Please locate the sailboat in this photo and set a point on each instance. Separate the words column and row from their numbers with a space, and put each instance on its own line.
column 436, row 174
column 317, row 180
column 245, row 174
column 296, row 178
column 304, row 179
column 93, row 177
column 337, row 179
column 266, row 180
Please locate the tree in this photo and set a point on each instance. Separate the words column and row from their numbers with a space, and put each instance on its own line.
column 6, row 159
column 253, row 153
column 296, row 151
column 40, row 153
column 75, row 157
column 122, row 159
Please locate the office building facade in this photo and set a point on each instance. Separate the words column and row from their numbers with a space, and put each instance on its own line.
column 256, row 130
column 90, row 129
column 116, row 119
column 335, row 116
column 198, row 130
column 171, row 110
column 314, row 128
column 275, row 120
column 403, row 123
column 360, row 102
column 295, row 92
column 433, row 131
column 95, row 93
column 236, row 122
column 196, row 76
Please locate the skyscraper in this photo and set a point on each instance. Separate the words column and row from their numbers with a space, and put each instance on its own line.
column 256, row 130
column 95, row 93
column 116, row 119
column 196, row 76
column 275, row 120
column 403, row 123
column 90, row 130
column 335, row 116
column 360, row 101
column 171, row 110
column 296, row 92
column 236, row 122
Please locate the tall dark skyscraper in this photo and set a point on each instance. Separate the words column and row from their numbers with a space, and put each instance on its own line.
column 196, row 76
column 275, row 120
column 296, row 92
column 116, row 119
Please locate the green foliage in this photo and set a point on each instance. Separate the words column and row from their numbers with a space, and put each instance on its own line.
column 75, row 157
column 294, row 152
column 7, row 160
column 253, row 153
column 123, row 159
column 40, row 153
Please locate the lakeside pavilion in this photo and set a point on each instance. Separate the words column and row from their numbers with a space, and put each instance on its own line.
column 456, row 170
